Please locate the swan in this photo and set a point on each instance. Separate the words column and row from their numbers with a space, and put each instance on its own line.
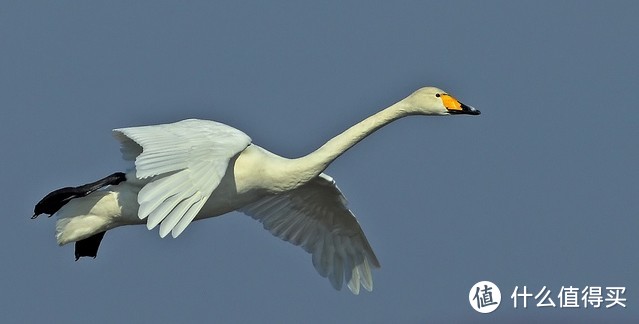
column 195, row 169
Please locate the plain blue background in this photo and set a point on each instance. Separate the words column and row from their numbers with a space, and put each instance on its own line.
column 540, row 190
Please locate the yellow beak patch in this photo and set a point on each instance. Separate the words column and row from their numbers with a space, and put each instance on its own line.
column 451, row 103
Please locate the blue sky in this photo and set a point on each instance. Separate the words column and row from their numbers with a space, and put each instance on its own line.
column 540, row 190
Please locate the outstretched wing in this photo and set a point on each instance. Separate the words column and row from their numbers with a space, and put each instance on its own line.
column 185, row 161
column 315, row 217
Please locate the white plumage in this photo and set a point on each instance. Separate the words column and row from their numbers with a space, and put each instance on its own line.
column 186, row 161
column 195, row 169
column 314, row 216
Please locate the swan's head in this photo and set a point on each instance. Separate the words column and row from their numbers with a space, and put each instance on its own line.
column 433, row 101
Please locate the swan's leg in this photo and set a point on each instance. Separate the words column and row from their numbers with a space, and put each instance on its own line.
column 89, row 246
column 52, row 202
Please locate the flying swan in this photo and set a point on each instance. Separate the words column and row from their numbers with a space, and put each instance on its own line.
column 195, row 169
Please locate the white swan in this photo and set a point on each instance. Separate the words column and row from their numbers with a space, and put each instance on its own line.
column 196, row 169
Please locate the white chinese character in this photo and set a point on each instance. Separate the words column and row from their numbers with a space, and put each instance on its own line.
column 543, row 299
column 614, row 298
column 525, row 295
column 568, row 297
column 592, row 296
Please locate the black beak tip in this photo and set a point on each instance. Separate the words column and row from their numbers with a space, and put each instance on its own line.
column 469, row 110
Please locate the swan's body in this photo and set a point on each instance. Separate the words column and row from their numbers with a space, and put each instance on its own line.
column 196, row 169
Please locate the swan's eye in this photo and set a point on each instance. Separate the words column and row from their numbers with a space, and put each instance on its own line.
column 437, row 95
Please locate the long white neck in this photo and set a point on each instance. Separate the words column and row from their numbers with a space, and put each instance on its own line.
column 307, row 167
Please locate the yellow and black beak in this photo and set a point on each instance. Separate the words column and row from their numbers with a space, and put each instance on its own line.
column 457, row 108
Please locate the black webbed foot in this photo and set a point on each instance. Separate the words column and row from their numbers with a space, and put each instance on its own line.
column 52, row 202
column 89, row 246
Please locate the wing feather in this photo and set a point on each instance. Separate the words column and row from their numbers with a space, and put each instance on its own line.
column 315, row 217
column 185, row 161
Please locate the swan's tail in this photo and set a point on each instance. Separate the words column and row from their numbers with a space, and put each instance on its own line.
column 83, row 218
column 85, row 221
column 85, row 213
